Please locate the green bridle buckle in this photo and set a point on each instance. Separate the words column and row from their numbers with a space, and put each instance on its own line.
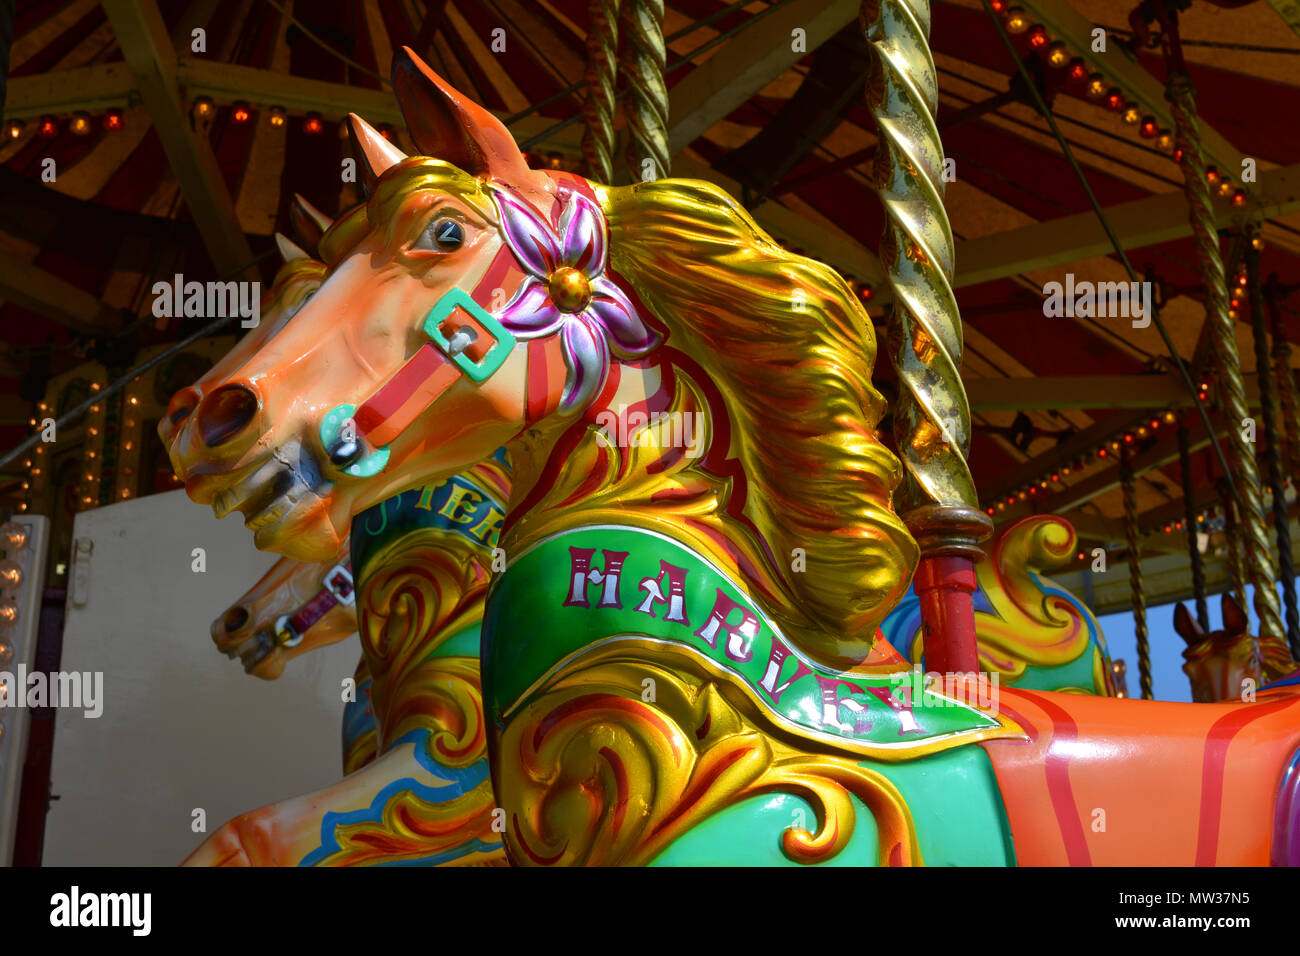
column 496, row 356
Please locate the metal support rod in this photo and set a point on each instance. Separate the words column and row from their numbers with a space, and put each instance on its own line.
column 1189, row 513
column 1273, row 451
column 1127, row 483
column 1285, row 378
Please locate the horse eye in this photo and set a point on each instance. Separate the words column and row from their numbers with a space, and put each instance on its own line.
column 445, row 235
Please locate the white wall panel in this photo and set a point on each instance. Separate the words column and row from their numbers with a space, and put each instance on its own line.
column 182, row 726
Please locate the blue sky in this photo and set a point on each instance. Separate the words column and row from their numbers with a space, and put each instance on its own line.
column 1168, row 682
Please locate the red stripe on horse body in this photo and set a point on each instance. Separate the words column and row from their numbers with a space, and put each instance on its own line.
column 1057, row 770
column 1217, row 740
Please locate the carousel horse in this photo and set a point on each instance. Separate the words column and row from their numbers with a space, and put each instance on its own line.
column 1229, row 663
column 1029, row 632
column 421, row 588
column 424, row 796
column 293, row 609
column 682, row 662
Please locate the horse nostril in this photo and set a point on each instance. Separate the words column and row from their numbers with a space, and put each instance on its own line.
column 235, row 618
column 226, row 413
column 182, row 405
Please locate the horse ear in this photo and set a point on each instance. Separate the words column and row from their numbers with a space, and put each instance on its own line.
column 448, row 126
column 1235, row 620
column 1187, row 627
column 373, row 152
column 309, row 223
column 288, row 249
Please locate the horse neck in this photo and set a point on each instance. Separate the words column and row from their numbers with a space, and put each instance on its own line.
column 655, row 453
column 422, row 588
column 644, row 454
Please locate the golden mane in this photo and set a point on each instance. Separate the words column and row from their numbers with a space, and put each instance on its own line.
column 792, row 350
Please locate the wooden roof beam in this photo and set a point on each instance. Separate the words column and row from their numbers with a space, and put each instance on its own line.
column 1166, row 578
column 1081, row 444
column 145, row 44
column 99, row 87
column 1098, row 530
column 1085, row 391
column 747, row 62
column 1074, row 496
column 1288, row 10
column 1142, row 222
column 108, row 85
column 43, row 292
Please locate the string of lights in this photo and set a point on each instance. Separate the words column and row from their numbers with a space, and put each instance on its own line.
column 1097, row 87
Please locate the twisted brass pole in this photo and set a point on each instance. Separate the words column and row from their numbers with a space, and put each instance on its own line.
column 1285, row 378
column 924, row 341
column 1126, row 479
column 1231, row 388
column 1189, row 515
column 931, row 415
column 601, row 76
column 642, row 68
column 1236, row 572
column 1272, row 454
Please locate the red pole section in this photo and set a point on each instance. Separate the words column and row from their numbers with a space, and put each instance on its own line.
column 944, row 584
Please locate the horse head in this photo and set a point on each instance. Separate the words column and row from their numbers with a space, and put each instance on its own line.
column 395, row 371
column 294, row 608
column 1219, row 663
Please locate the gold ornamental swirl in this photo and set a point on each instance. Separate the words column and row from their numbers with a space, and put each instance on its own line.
column 601, row 76
column 413, row 829
column 644, row 59
column 423, row 588
column 1230, row 386
column 931, row 414
column 364, row 748
column 600, row 776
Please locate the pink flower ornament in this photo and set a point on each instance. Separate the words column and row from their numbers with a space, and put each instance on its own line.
column 566, row 289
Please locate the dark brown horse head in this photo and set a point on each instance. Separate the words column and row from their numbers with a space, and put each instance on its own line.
column 1220, row 663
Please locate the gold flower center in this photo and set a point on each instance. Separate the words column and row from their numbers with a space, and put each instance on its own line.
column 569, row 289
